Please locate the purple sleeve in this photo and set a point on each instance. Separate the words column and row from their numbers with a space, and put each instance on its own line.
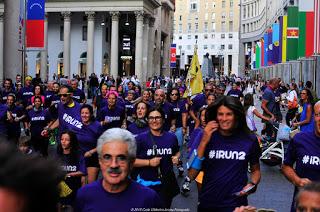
column 196, row 142
column 82, row 165
column 183, row 107
column 255, row 152
column 80, row 200
column 290, row 155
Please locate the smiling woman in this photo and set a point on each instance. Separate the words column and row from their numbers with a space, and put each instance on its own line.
column 226, row 142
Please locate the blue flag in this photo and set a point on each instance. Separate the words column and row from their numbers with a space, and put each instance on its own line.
column 275, row 42
column 35, row 9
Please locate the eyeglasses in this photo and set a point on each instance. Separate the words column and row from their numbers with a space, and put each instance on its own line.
column 154, row 118
column 174, row 94
column 64, row 94
column 120, row 159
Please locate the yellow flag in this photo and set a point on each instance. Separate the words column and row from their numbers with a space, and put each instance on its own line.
column 64, row 189
column 194, row 81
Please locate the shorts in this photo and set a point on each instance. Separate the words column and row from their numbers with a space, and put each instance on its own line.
column 92, row 161
column 199, row 178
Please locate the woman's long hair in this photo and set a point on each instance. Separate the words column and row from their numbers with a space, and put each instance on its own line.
column 247, row 102
column 74, row 146
column 233, row 104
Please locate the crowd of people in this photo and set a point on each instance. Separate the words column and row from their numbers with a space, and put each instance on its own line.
column 119, row 146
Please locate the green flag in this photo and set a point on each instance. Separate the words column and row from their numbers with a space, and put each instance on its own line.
column 258, row 55
column 292, row 33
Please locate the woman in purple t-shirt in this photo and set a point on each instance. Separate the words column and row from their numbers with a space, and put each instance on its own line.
column 140, row 124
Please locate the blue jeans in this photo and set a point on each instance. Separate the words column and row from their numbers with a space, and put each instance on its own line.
column 179, row 135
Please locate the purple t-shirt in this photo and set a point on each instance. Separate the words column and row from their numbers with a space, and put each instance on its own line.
column 25, row 94
column 130, row 108
column 88, row 136
column 168, row 114
column 93, row 197
column 78, row 95
column 14, row 127
column 235, row 93
column 225, row 167
column 304, row 150
column 5, row 94
column 3, row 118
column 48, row 95
column 193, row 136
column 135, row 130
column 114, row 116
column 69, row 117
column 167, row 146
column 179, row 108
column 38, row 120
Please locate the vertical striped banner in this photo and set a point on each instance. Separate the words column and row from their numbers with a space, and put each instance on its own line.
column 317, row 26
column 292, row 33
column 262, row 52
column 280, row 39
column 270, row 47
column 265, row 47
column 284, row 39
column 275, row 42
column 258, row 54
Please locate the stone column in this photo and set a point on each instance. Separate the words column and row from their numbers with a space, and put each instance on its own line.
column 166, row 56
column 114, row 44
column 44, row 53
column 12, row 58
column 151, row 48
column 139, row 44
column 90, row 43
column 66, row 43
column 1, row 47
column 145, row 50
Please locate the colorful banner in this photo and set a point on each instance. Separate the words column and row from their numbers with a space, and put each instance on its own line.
column 317, row 26
column 173, row 58
column 35, row 24
column 292, row 33
column 266, row 48
column 280, row 38
column 306, row 28
column 262, row 52
column 275, row 42
column 270, row 48
column 284, row 38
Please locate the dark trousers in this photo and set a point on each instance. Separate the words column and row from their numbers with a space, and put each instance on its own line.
column 290, row 115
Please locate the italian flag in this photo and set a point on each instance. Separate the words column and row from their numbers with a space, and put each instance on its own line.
column 306, row 28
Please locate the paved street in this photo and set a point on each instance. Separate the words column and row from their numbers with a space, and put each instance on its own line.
column 274, row 190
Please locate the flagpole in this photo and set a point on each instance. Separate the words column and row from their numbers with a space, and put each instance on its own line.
column 24, row 41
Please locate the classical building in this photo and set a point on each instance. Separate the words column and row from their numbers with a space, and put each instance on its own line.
column 256, row 17
column 214, row 26
column 127, row 37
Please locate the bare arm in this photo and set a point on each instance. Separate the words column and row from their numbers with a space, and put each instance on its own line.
column 265, row 109
column 292, row 176
column 308, row 117
column 258, row 114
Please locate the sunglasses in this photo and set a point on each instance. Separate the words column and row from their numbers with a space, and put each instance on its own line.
column 64, row 95
column 174, row 94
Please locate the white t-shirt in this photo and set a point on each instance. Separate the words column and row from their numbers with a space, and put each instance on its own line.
column 250, row 118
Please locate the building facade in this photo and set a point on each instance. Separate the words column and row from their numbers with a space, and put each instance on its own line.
column 127, row 37
column 256, row 17
column 214, row 26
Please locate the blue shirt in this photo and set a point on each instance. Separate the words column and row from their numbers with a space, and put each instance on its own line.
column 310, row 126
column 93, row 197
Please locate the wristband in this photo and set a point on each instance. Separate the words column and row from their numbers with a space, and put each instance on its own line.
column 195, row 162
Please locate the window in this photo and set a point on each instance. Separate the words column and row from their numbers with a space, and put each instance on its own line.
column 213, row 5
column 196, row 27
column 189, row 27
column 180, row 28
column 180, row 18
column 205, row 46
column 213, row 26
column 244, row 12
column 205, row 26
column 230, row 26
column 230, row 35
column 213, row 46
column 231, row 14
column 180, row 37
column 205, row 36
column 213, row 36
column 222, row 47
column 189, row 47
column 196, row 37
column 107, row 34
column 223, row 15
column 231, row 3
column 213, row 16
column 223, row 36
column 180, row 47
column 223, row 3
column 61, row 33
column 189, row 37
column 84, row 33
column 206, row 16
column 230, row 46
column 193, row 6
column 196, row 18
column 223, row 26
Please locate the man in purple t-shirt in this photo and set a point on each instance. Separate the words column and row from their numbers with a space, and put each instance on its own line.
column 304, row 151
column 116, row 192
column 235, row 92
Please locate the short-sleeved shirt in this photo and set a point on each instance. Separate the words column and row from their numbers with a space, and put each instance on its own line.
column 235, row 93
column 114, row 116
column 197, row 102
column 3, row 118
column 304, row 150
column 93, row 197
column 38, row 120
column 179, row 108
column 78, row 95
column 269, row 96
column 168, row 114
column 166, row 147
column 136, row 130
column 69, row 117
column 88, row 136
column 225, row 167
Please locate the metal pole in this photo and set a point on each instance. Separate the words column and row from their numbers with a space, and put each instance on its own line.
column 24, row 43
